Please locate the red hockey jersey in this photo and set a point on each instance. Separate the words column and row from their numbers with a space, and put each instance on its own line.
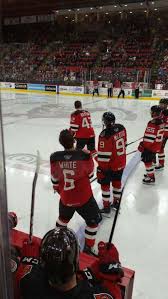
column 112, row 148
column 153, row 136
column 71, row 172
column 165, row 119
column 81, row 124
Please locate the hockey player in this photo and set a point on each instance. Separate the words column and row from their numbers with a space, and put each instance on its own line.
column 81, row 127
column 71, row 171
column 111, row 159
column 151, row 144
column 95, row 87
column 161, row 156
column 56, row 273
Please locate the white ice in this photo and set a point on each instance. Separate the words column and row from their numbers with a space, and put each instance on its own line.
column 32, row 122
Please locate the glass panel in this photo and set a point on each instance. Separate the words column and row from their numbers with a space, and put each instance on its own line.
column 5, row 274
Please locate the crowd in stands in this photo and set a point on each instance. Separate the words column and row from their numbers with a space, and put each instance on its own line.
column 47, row 58
column 162, row 71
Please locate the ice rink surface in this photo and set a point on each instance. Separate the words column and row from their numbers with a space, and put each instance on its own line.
column 32, row 122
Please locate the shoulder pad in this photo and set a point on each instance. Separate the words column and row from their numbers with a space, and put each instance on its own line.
column 118, row 128
column 159, row 121
column 103, row 133
column 75, row 155
column 77, row 112
column 107, row 133
column 165, row 112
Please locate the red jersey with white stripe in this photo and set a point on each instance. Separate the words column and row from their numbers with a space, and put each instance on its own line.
column 112, row 148
column 71, row 172
column 154, row 134
column 81, row 124
column 165, row 119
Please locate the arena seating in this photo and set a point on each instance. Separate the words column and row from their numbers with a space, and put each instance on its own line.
column 127, row 56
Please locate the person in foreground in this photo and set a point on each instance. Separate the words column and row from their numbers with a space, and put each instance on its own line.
column 71, row 172
column 55, row 276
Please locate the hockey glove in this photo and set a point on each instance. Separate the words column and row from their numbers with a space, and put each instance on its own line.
column 140, row 147
column 112, row 268
column 148, row 156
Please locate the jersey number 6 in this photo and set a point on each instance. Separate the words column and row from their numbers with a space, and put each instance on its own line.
column 68, row 182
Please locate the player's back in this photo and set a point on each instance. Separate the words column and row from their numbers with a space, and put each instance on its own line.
column 153, row 136
column 165, row 119
column 112, row 148
column 73, row 170
column 81, row 124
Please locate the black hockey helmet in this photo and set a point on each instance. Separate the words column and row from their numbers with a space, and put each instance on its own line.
column 59, row 255
column 108, row 119
column 156, row 111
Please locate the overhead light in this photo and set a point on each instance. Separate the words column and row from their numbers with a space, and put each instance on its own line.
column 120, row 11
column 153, row 3
column 86, row 15
column 73, row 20
column 107, row 13
column 91, row 8
column 69, row 9
column 155, row 9
column 66, row 17
column 125, row 5
column 145, row 10
column 78, row 9
column 130, row 11
column 141, row 3
column 100, row 7
column 109, row 22
column 115, row 6
column 56, row 11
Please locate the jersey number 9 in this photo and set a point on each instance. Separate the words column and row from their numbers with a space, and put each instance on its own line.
column 120, row 147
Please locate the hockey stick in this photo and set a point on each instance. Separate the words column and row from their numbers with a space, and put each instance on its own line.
column 30, row 247
column 132, row 152
column 114, row 222
column 134, row 141
column 33, row 196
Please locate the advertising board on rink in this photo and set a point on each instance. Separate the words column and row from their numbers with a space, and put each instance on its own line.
column 7, row 85
column 160, row 93
column 35, row 86
column 20, row 85
column 50, row 88
column 71, row 89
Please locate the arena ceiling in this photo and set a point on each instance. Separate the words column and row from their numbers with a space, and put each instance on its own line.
column 30, row 7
